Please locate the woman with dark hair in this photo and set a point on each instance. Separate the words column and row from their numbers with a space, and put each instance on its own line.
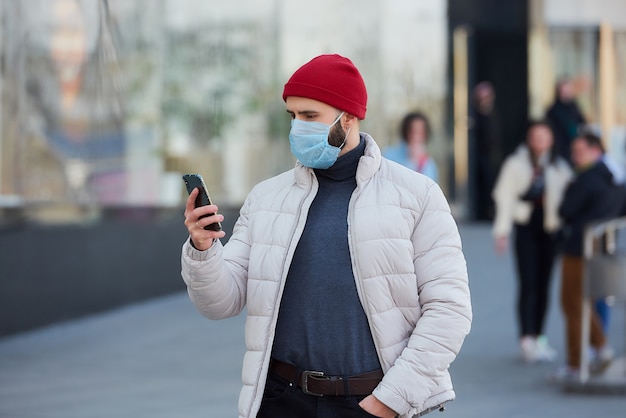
column 527, row 194
column 412, row 151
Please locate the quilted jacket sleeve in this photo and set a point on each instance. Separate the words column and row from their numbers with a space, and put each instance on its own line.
column 216, row 279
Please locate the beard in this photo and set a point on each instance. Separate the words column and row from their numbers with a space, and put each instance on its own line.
column 337, row 135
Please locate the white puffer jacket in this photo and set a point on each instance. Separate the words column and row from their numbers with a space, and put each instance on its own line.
column 407, row 260
column 514, row 180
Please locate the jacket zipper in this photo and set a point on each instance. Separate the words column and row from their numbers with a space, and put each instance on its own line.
column 357, row 273
column 308, row 199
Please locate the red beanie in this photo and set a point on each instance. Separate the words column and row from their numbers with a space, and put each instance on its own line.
column 331, row 79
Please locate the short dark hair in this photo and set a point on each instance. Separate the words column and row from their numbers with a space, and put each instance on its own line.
column 405, row 125
column 592, row 140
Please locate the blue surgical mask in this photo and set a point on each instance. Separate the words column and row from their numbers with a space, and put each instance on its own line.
column 309, row 143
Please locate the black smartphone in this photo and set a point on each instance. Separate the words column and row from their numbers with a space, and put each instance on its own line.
column 195, row 181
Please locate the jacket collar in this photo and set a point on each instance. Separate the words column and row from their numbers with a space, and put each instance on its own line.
column 368, row 165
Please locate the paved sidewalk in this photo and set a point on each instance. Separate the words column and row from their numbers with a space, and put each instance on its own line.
column 162, row 359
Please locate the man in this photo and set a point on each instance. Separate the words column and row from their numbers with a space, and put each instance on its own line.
column 592, row 196
column 487, row 153
column 350, row 267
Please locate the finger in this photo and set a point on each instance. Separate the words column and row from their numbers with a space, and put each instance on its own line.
column 203, row 239
column 206, row 210
column 203, row 212
column 208, row 220
column 191, row 202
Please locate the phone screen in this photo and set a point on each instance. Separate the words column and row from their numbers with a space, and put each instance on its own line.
column 195, row 181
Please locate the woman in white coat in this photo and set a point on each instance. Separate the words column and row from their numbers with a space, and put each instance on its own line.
column 527, row 194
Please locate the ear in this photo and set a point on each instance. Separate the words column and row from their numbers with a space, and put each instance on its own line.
column 349, row 121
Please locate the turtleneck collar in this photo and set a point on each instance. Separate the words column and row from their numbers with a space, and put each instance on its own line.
column 346, row 165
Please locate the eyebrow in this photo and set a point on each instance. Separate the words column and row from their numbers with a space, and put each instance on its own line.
column 304, row 112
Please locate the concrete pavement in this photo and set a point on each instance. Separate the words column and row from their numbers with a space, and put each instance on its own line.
column 162, row 359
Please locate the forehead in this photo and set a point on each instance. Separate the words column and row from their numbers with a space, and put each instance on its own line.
column 580, row 144
column 540, row 129
column 297, row 104
column 418, row 123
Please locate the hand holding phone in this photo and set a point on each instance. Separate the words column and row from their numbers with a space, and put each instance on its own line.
column 195, row 181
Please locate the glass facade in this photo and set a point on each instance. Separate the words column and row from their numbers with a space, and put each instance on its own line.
column 107, row 103
column 576, row 54
column 587, row 43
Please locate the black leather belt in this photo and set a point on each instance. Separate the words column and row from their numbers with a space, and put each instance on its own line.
column 319, row 384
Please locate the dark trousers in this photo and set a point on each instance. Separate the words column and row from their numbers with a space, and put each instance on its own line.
column 535, row 253
column 282, row 399
column 485, row 180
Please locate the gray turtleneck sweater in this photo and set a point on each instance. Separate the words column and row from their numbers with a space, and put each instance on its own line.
column 321, row 323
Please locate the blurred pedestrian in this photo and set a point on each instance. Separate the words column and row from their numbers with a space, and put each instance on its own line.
column 350, row 268
column 565, row 117
column 487, row 152
column 592, row 196
column 603, row 305
column 527, row 195
column 412, row 150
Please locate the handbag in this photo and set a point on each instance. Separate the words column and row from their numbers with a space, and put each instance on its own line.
column 536, row 188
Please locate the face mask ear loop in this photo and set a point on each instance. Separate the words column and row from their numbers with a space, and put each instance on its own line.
column 337, row 120
column 345, row 139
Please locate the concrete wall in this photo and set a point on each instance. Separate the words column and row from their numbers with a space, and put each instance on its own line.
column 51, row 273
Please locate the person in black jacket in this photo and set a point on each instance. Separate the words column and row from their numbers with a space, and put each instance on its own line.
column 592, row 196
column 565, row 117
column 487, row 149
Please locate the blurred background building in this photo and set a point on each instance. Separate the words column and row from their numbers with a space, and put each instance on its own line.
column 104, row 104
column 108, row 102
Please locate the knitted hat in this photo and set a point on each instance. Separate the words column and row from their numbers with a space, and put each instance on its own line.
column 331, row 79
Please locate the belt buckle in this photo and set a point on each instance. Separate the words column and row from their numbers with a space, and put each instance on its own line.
column 305, row 380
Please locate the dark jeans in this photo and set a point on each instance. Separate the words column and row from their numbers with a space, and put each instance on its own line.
column 535, row 252
column 485, row 181
column 280, row 400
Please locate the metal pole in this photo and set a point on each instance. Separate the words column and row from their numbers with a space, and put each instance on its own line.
column 607, row 82
column 586, row 309
column 461, row 108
